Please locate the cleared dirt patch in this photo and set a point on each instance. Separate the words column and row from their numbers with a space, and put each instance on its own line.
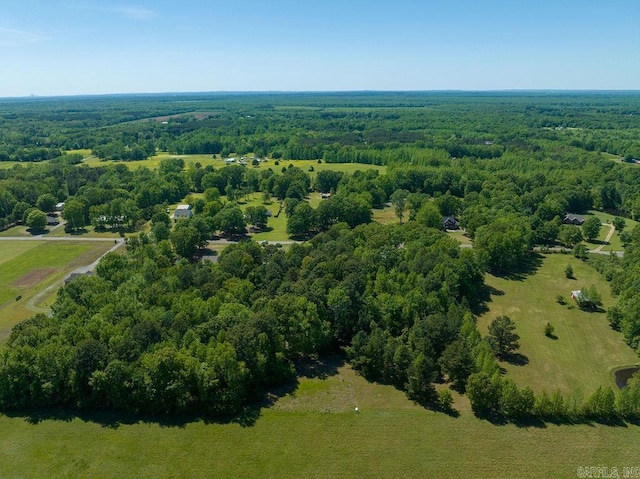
column 32, row 278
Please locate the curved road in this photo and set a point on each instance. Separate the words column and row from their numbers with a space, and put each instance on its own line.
column 31, row 303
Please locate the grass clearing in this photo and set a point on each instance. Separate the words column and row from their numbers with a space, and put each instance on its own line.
column 587, row 349
column 217, row 162
column 29, row 267
column 386, row 215
column 311, row 432
column 460, row 237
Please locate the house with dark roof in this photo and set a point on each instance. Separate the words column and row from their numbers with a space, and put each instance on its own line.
column 573, row 219
column 450, row 223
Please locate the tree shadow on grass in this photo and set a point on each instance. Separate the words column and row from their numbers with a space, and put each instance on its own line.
column 486, row 296
column 247, row 417
column 38, row 232
column 113, row 419
column 528, row 267
column 516, row 359
column 320, row 368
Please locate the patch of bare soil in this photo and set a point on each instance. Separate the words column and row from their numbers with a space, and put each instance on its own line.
column 32, row 278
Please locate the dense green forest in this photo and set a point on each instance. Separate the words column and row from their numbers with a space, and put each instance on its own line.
column 343, row 127
column 158, row 331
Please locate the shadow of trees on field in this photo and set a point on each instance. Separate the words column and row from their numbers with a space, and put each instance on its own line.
column 528, row 267
column 516, row 359
column 486, row 296
column 320, row 368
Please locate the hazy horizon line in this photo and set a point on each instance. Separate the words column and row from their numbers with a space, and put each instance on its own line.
column 284, row 92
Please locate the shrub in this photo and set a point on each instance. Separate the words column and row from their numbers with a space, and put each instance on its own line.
column 568, row 272
column 548, row 330
column 445, row 399
column 560, row 299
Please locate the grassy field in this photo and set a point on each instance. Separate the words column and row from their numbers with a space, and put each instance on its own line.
column 218, row 162
column 311, row 432
column 586, row 349
column 57, row 232
column 29, row 267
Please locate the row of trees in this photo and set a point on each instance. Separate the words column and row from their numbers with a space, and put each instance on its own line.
column 498, row 396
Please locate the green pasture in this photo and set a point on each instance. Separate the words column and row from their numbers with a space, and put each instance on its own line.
column 386, row 215
column 218, row 162
column 310, row 432
column 42, row 255
column 586, row 349
column 48, row 262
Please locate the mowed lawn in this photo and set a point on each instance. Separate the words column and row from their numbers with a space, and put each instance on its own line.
column 586, row 349
column 312, row 432
column 27, row 267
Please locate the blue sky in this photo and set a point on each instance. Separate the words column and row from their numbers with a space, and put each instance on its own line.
column 68, row 47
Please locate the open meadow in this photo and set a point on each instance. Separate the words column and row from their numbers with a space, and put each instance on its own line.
column 309, row 166
column 586, row 349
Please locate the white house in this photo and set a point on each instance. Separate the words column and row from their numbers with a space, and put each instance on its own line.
column 182, row 212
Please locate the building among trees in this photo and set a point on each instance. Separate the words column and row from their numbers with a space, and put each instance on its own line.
column 573, row 219
column 182, row 212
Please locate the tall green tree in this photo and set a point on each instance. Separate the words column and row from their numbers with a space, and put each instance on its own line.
column 399, row 200
column 429, row 215
column 230, row 220
column 503, row 244
column 591, row 228
column 457, row 363
column 75, row 214
column 37, row 221
column 619, row 224
column 46, row 202
column 484, row 393
column 502, row 336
